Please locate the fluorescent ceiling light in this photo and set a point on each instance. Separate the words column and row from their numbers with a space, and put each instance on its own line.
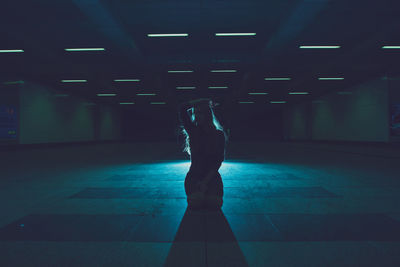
column 332, row 79
column 391, row 47
column 127, row 80
column 185, row 87
column 73, row 81
column 167, row 35
column 12, row 51
column 217, row 87
column 84, row 49
column 236, row 34
column 258, row 93
column 277, row 102
column 145, row 94
column 298, row 93
column 277, row 79
column 126, row 103
column 179, row 71
column 157, row 103
column 223, row 70
column 246, row 102
column 13, row 82
column 106, row 94
column 320, row 46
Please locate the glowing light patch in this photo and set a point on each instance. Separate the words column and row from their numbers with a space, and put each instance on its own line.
column 257, row 93
column 186, row 87
column 127, row 80
column 85, row 49
column 278, row 79
column 246, row 102
column 277, row 102
column 298, row 93
column 331, row 79
column 106, row 94
column 126, row 103
column 145, row 94
column 223, row 71
column 11, row 51
column 217, row 87
column 73, row 81
column 236, row 34
column 179, row 71
column 391, row 47
column 158, row 103
column 167, row 35
column 320, row 46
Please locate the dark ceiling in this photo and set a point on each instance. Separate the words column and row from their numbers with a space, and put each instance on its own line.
column 44, row 28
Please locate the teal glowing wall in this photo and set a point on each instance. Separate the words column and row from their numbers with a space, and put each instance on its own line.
column 46, row 118
column 361, row 114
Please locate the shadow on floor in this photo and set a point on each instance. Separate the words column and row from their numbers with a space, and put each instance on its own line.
column 205, row 238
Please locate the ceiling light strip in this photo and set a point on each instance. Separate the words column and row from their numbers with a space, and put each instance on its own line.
column 127, row 80
column 167, row 35
column 11, row 51
column 84, row 49
column 217, row 87
column 391, row 47
column 331, row 79
column 179, row 71
column 185, row 87
column 278, row 79
column 236, row 34
column 298, row 93
column 73, row 81
column 223, row 71
column 319, row 46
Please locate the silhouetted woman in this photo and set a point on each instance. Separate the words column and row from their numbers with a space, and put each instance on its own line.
column 205, row 143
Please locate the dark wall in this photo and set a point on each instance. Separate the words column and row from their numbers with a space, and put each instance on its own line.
column 9, row 97
column 156, row 123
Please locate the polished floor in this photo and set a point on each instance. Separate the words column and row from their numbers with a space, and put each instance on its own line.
column 285, row 204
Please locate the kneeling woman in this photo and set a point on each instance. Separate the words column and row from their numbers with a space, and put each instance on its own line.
column 205, row 143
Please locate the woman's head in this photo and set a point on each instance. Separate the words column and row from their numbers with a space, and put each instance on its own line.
column 203, row 115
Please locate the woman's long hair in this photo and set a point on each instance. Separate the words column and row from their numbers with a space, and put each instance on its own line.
column 216, row 124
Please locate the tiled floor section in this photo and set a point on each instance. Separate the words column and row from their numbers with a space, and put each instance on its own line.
column 284, row 205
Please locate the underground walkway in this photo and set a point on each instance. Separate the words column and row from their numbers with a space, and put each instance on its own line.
column 123, row 204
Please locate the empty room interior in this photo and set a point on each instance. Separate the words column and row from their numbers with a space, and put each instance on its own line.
column 202, row 133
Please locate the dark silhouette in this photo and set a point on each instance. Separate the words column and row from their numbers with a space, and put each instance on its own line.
column 205, row 143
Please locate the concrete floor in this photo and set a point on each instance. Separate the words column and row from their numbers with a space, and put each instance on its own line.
column 124, row 205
